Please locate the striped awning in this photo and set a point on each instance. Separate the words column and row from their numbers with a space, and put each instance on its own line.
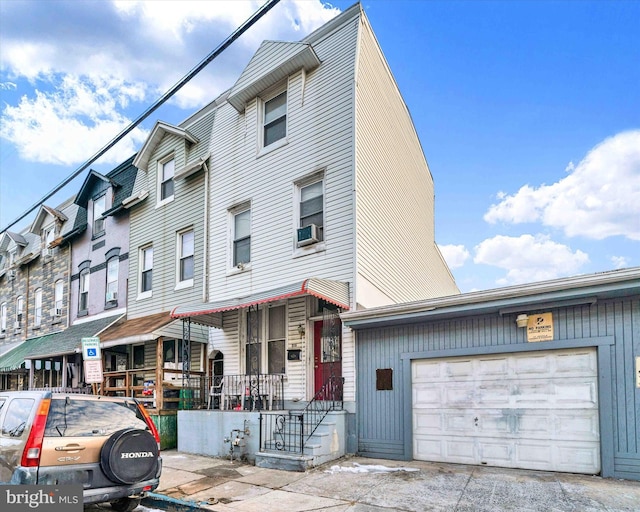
column 334, row 292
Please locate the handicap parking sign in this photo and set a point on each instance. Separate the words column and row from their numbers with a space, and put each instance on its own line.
column 91, row 348
column 92, row 352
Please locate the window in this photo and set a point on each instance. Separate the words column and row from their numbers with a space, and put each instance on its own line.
column 166, row 172
column 38, row 307
column 312, row 206
column 19, row 309
column 48, row 236
column 13, row 256
column 113, row 266
column 3, row 317
column 83, row 301
column 185, row 256
column 58, row 296
column 276, row 337
column 172, row 354
column 273, row 322
column 242, row 238
column 99, row 207
column 146, row 269
column 275, row 119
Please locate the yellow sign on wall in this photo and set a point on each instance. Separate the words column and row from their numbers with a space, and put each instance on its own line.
column 540, row 327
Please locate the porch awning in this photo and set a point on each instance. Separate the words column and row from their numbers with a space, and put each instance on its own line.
column 135, row 330
column 59, row 343
column 335, row 292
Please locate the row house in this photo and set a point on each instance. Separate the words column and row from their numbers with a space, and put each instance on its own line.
column 75, row 280
column 319, row 201
column 34, row 287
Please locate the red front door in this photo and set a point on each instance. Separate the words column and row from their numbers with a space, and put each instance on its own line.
column 327, row 356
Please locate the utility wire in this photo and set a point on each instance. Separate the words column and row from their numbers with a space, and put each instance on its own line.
column 215, row 53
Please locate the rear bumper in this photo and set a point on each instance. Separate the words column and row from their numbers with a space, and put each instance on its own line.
column 105, row 494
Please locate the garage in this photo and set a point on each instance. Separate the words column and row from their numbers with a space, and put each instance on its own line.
column 529, row 410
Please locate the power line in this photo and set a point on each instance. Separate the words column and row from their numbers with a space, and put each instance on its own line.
column 215, row 53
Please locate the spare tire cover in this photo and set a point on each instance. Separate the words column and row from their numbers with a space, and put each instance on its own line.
column 129, row 456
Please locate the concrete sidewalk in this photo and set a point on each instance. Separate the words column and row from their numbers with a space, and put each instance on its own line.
column 357, row 484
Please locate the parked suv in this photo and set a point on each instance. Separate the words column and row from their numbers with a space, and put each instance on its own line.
column 109, row 445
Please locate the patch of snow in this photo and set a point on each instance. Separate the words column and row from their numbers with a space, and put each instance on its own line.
column 364, row 468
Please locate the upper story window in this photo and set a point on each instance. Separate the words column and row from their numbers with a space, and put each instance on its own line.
column 48, row 235
column 113, row 269
column 83, row 298
column 37, row 321
column 311, row 211
column 146, row 269
column 3, row 317
column 185, row 257
column 166, row 171
column 13, row 256
column 241, row 237
column 99, row 207
column 19, row 310
column 274, row 123
column 58, row 293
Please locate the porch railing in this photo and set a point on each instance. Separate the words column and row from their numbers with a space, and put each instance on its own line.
column 289, row 431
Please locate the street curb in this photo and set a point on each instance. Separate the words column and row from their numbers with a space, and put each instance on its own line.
column 168, row 503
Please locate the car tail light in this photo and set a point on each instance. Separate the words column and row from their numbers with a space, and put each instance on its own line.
column 33, row 448
column 150, row 424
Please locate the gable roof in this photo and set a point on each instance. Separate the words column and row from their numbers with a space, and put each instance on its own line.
column 45, row 211
column 141, row 161
column 272, row 62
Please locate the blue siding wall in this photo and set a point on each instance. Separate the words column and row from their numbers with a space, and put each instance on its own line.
column 384, row 417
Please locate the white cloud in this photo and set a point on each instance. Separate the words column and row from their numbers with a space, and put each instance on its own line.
column 529, row 258
column 73, row 123
column 454, row 255
column 97, row 58
column 598, row 199
column 620, row 261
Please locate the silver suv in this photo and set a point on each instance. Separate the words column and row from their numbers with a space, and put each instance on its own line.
column 109, row 445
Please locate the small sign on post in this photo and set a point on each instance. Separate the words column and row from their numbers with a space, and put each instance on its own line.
column 92, row 360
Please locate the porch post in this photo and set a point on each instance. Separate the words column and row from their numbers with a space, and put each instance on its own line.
column 159, row 374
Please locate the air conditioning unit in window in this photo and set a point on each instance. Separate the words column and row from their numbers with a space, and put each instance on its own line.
column 55, row 312
column 307, row 235
column 112, row 296
column 16, row 325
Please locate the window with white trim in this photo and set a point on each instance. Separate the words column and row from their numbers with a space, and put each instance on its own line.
column 58, row 296
column 113, row 269
column 48, row 235
column 19, row 310
column 241, row 237
column 99, row 207
column 274, row 121
column 146, row 269
column 311, row 208
column 3, row 317
column 166, row 171
column 185, row 256
column 83, row 296
column 37, row 310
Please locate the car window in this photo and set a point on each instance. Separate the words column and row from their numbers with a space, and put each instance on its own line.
column 17, row 415
column 69, row 418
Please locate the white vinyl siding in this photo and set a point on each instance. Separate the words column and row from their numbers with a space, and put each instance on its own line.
column 396, row 251
column 160, row 225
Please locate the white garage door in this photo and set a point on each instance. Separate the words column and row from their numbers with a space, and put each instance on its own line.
column 531, row 410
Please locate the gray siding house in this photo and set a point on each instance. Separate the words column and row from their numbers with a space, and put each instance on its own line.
column 541, row 376
column 316, row 177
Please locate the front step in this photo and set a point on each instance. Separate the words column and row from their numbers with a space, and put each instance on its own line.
column 284, row 461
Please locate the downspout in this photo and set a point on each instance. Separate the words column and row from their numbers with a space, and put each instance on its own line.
column 205, row 264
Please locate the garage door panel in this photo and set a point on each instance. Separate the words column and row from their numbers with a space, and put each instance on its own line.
column 542, row 414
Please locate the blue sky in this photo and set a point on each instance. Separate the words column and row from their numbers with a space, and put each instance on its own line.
column 528, row 111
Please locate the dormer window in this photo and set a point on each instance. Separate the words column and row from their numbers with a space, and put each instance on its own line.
column 275, row 119
column 48, row 236
column 99, row 207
